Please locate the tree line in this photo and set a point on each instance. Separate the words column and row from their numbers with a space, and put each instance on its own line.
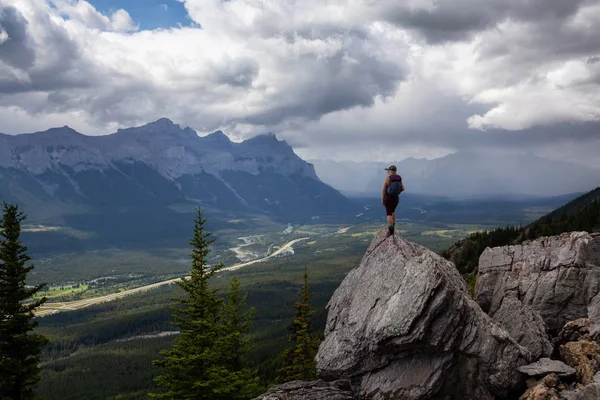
column 207, row 360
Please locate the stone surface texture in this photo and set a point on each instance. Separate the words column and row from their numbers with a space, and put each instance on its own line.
column 574, row 331
column 584, row 356
column 594, row 315
column 588, row 392
column 558, row 277
column 545, row 389
column 546, row 366
column 525, row 325
column 316, row 390
column 402, row 326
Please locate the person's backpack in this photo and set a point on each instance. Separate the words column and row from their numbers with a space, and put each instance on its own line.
column 395, row 186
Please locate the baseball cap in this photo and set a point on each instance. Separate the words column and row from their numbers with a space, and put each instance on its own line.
column 391, row 168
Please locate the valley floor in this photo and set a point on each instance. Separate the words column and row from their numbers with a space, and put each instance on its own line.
column 51, row 308
column 122, row 300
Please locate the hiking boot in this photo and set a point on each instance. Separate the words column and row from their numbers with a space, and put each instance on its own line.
column 390, row 230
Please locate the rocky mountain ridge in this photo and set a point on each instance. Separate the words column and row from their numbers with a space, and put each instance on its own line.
column 402, row 326
column 161, row 164
column 172, row 150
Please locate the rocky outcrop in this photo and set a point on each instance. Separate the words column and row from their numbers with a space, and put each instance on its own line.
column 557, row 277
column 577, row 349
column 402, row 325
column 551, row 388
column 556, row 280
column 317, row 390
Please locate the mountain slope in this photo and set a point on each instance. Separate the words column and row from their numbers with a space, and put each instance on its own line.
column 465, row 175
column 161, row 164
column 142, row 184
column 581, row 214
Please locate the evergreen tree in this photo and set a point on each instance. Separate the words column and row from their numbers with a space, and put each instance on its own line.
column 192, row 363
column 237, row 379
column 19, row 349
column 299, row 361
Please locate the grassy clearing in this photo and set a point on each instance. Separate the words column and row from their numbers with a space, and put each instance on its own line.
column 60, row 291
column 449, row 233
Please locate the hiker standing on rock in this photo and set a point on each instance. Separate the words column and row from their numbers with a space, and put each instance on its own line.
column 390, row 196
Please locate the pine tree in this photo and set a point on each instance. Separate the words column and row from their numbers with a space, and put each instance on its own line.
column 299, row 361
column 192, row 363
column 237, row 379
column 19, row 349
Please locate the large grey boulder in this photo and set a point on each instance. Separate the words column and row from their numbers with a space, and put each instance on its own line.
column 558, row 277
column 402, row 326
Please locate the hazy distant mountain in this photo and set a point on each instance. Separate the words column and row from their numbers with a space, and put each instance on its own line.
column 463, row 175
column 161, row 165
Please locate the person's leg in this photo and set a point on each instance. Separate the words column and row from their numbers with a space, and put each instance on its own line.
column 393, row 210
column 390, row 218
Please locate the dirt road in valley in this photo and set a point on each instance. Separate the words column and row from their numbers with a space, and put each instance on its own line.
column 51, row 308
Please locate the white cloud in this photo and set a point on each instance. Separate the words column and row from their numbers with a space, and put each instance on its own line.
column 323, row 75
column 84, row 12
column 3, row 36
column 164, row 7
column 121, row 21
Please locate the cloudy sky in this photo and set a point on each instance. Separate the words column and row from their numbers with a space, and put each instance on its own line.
column 341, row 79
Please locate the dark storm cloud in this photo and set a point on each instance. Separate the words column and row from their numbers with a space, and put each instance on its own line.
column 317, row 79
column 17, row 48
column 456, row 20
column 545, row 135
column 442, row 24
column 335, row 68
column 526, row 139
column 548, row 40
column 334, row 84
column 237, row 73
column 61, row 66
column 439, row 122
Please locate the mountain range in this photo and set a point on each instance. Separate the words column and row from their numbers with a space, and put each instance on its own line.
column 464, row 175
column 161, row 164
column 151, row 173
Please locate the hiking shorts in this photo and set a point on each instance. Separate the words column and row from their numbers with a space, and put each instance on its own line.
column 390, row 204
